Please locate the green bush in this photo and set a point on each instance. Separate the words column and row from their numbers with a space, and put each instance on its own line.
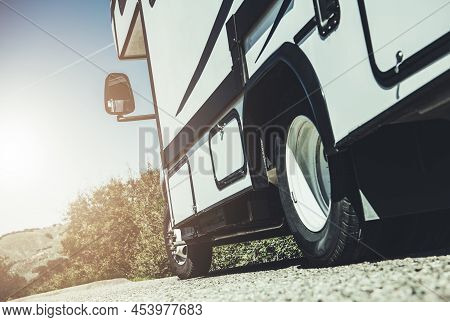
column 255, row 252
column 117, row 231
column 114, row 231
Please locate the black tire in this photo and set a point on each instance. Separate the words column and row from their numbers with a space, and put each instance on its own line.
column 338, row 241
column 199, row 256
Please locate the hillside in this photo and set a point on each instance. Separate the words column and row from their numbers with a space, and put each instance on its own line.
column 32, row 248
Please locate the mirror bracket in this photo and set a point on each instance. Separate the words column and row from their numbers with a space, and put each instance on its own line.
column 144, row 117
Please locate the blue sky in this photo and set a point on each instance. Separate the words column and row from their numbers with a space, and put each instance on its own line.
column 55, row 138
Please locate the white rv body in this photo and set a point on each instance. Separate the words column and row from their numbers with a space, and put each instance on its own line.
column 173, row 36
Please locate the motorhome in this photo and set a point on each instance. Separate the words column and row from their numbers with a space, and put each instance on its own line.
column 313, row 118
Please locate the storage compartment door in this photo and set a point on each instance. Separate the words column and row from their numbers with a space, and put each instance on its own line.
column 417, row 28
column 227, row 150
column 181, row 194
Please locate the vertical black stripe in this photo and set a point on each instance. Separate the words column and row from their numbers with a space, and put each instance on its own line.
column 280, row 15
column 122, row 4
column 212, row 39
column 310, row 25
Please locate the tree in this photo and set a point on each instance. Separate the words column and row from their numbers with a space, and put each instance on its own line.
column 10, row 283
column 116, row 231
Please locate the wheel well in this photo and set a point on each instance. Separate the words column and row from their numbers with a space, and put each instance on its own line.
column 285, row 87
column 274, row 96
column 269, row 107
column 288, row 84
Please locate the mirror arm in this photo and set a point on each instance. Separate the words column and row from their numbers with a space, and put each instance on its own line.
column 136, row 118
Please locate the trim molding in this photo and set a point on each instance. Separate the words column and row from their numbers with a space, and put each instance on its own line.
column 305, row 31
column 420, row 96
column 220, row 203
column 152, row 84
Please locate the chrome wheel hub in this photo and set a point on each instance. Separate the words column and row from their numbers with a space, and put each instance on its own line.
column 178, row 247
column 308, row 173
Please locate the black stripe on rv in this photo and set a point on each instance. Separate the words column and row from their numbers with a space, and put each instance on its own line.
column 122, row 4
column 283, row 9
column 305, row 31
column 210, row 43
column 238, row 26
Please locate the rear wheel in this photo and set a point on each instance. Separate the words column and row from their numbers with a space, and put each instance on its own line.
column 185, row 261
column 326, row 230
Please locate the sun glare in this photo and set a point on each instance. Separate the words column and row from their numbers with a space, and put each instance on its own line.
column 19, row 153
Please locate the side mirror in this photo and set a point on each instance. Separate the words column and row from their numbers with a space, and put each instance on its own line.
column 119, row 99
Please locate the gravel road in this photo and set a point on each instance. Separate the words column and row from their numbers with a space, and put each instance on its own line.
column 409, row 279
